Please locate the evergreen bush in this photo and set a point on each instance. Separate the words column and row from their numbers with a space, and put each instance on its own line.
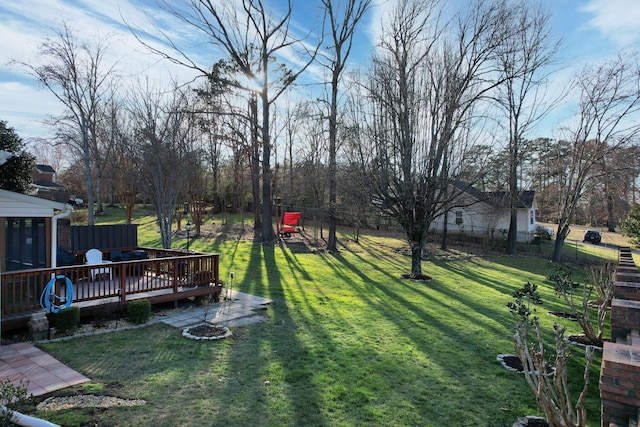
column 67, row 319
column 139, row 311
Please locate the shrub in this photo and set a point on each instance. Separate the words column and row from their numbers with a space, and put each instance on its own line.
column 139, row 311
column 630, row 226
column 10, row 393
column 67, row 319
column 551, row 390
column 603, row 279
column 542, row 233
column 79, row 217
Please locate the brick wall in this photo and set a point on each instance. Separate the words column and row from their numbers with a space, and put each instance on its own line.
column 64, row 233
column 625, row 317
column 620, row 382
column 620, row 371
column 627, row 291
column 628, row 276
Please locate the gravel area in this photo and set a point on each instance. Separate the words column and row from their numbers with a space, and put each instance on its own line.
column 86, row 400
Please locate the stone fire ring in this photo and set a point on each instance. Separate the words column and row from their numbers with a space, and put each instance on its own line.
column 187, row 334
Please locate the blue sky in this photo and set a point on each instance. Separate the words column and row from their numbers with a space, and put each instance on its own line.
column 592, row 30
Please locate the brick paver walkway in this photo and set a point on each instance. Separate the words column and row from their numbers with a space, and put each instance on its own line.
column 40, row 372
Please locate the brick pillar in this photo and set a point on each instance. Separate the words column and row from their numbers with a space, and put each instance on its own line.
column 624, row 275
column 627, row 290
column 64, row 233
column 619, row 383
column 620, row 370
column 625, row 317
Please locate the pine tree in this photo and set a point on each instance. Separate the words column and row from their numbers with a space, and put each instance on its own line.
column 631, row 225
column 15, row 174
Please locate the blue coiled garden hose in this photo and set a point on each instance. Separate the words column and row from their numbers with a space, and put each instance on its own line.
column 47, row 302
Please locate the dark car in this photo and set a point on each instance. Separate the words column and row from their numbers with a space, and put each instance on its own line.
column 592, row 236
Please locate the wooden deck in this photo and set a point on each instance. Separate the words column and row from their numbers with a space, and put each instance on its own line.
column 165, row 276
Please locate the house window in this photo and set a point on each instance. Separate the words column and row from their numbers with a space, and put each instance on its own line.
column 458, row 217
column 25, row 243
column 531, row 218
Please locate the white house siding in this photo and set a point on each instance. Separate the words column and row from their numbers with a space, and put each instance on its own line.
column 481, row 219
column 15, row 205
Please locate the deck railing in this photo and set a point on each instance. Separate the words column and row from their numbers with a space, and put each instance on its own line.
column 163, row 270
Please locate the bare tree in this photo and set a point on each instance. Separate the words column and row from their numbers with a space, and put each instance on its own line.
column 343, row 19
column 425, row 85
column 106, row 132
column 48, row 153
column 294, row 115
column 602, row 281
column 252, row 39
column 552, row 389
column 231, row 119
column 612, row 185
column 549, row 382
column 120, row 166
column 311, row 168
column 524, row 58
column 606, row 119
column 74, row 73
column 164, row 137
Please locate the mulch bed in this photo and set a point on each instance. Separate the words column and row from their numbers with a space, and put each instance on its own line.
column 207, row 331
column 513, row 363
column 584, row 341
column 531, row 422
column 563, row 315
column 420, row 278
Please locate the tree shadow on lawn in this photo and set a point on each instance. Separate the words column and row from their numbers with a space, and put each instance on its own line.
column 467, row 364
column 463, row 360
column 389, row 368
column 470, row 303
column 378, row 251
column 253, row 368
column 491, row 312
column 470, row 309
column 295, row 266
column 363, row 347
column 536, row 267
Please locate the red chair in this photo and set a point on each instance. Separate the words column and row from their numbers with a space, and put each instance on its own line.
column 290, row 223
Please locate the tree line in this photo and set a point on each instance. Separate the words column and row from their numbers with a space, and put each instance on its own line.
column 450, row 96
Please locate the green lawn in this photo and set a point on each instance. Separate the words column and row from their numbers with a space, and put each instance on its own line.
column 347, row 343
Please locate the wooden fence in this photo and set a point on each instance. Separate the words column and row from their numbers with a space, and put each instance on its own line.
column 84, row 237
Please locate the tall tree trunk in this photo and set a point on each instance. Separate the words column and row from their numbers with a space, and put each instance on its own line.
column 513, row 232
column 557, row 249
column 417, row 237
column 445, row 232
column 255, row 163
column 267, row 220
column 611, row 219
column 512, row 235
column 88, row 182
column 332, row 220
column 99, row 193
column 563, row 232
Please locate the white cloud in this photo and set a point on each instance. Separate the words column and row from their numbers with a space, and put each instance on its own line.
column 23, row 103
column 25, row 108
column 616, row 19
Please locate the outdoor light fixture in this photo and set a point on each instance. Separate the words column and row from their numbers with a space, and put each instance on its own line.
column 188, row 228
